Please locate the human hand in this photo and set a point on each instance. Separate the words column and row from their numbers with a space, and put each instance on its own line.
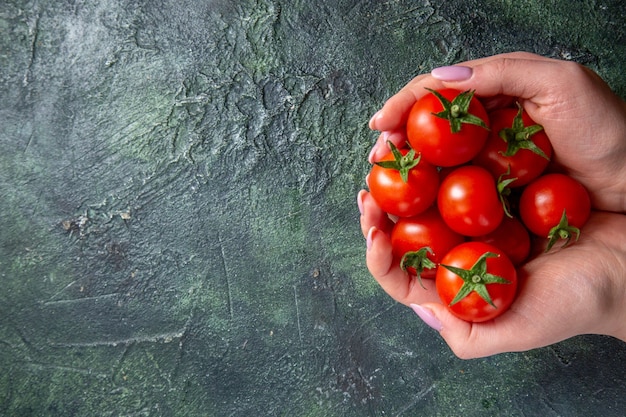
column 580, row 289
column 584, row 119
column 575, row 290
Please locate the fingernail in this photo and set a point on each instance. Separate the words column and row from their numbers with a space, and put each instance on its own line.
column 381, row 139
column 427, row 316
column 452, row 73
column 370, row 157
column 372, row 123
column 370, row 237
column 359, row 201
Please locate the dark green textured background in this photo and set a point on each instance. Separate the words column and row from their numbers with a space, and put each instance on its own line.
column 178, row 226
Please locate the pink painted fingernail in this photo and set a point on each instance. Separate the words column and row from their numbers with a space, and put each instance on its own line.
column 382, row 139
column 370, row 157
column 359, row 201
column 427, row 316
column 370, row 237
column 372, row 123
column 452, row 73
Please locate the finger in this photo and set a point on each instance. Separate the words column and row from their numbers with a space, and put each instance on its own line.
column 510, row 55
column 395, row 111
column 381, row 147
column 372, row 215
column 477, row 340
column 532, row 80
column 526, row 317
column 400, row 286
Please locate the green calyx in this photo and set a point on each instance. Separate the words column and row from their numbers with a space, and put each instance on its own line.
column 402, row 163
column 504, row 191
column 562, row 231
column 476, row 279
column 519, row 136
column 457, row 110
column 419, row 261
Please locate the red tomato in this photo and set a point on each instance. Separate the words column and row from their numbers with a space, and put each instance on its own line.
column 511, row 237
column 469, row 201
column 410, row 235
column 447, row 132
column 555, row 206
column 476, row 281
column 400, row 198
column 515, row 143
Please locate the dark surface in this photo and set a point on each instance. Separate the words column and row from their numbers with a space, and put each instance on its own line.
column 178, row 226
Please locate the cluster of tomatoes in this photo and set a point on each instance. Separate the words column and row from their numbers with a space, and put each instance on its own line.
column 469, row 189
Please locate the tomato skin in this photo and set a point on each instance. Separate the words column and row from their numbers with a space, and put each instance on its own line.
column 398, row 198
column 431, row 135
column 525, row 165
column 473, row 308
column 427, row 229
column 511, row 237
column 468, row 201
column 542, row 203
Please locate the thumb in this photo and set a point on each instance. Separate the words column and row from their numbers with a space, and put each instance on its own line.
column 533, row 79
column 473, row 340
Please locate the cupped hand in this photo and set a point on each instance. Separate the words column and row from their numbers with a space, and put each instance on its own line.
column 584, row 119
column 580, row 289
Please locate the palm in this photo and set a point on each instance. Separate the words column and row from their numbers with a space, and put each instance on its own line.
column 566, row 292
column 561, row 293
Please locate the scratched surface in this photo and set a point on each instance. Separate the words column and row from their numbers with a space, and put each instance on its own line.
column 178, row 227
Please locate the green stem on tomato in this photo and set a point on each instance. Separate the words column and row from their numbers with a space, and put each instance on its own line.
column 419, row 261
column 519, row 136
column 476, row 279
column 457, row 110
column 402, row 163
column 562, row 231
